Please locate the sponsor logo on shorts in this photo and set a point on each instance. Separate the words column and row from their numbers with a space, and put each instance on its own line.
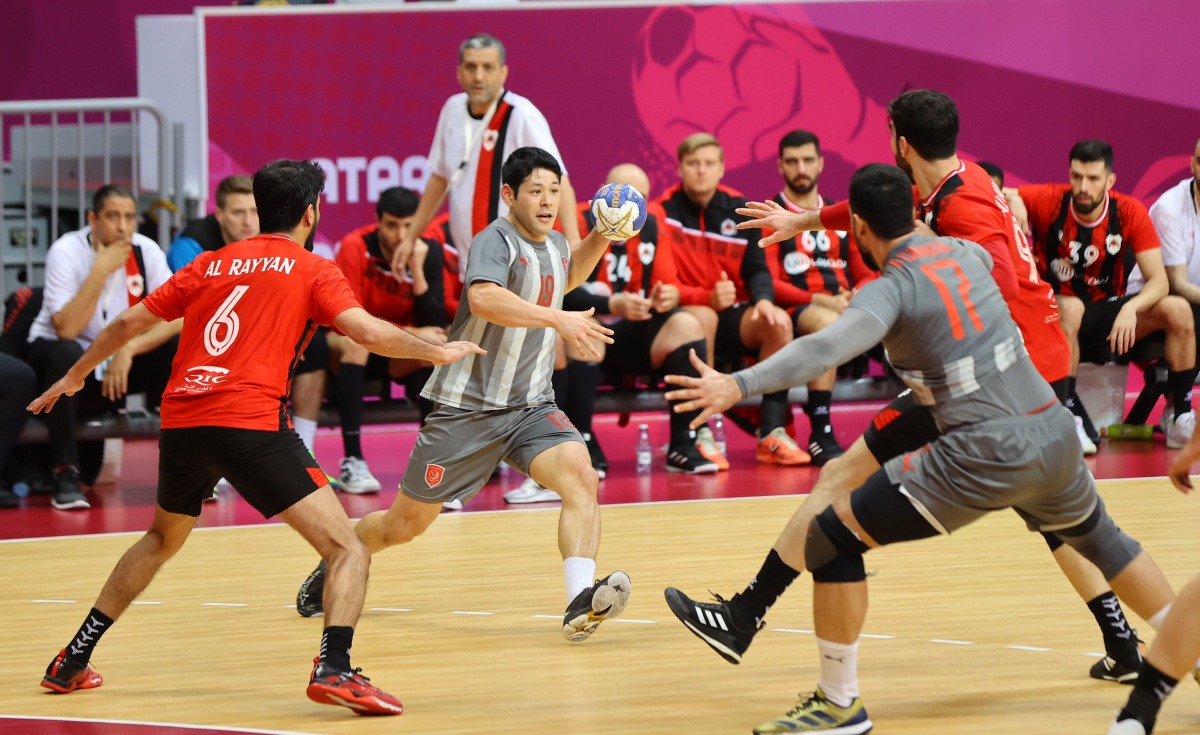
column 434, row 474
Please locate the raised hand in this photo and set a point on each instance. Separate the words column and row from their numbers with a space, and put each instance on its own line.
column 454, row 351
column 579, row 329
column 712, row 392
column 784, row 224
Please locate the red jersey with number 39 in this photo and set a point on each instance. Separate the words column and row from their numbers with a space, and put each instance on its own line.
column 249, row 311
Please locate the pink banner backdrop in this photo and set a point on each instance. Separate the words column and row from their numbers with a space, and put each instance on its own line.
column 361, row 91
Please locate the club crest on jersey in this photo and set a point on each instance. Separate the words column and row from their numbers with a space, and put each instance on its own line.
column 1113, row 243
column 728, row 228
column 434, row 474
column 136, row 284
column 1062, row 269
column 566, row 265
column 646, row 252
column 489, row 139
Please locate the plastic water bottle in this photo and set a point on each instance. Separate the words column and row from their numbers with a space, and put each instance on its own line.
column 1142, row 432
column 718, row 430
column 645, row 450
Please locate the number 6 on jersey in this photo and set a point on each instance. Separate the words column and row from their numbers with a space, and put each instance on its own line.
column 225, row 317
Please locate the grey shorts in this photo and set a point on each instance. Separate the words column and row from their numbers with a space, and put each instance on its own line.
column 1032, row 464
column 457, row 449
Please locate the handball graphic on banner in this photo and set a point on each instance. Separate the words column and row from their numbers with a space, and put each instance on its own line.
column 620, row 211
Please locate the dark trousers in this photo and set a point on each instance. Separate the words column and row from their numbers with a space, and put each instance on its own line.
column 18, row 386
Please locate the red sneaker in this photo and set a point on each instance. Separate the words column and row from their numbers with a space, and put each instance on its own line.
column 350, row 689
column 780, row 448
column 65, row 676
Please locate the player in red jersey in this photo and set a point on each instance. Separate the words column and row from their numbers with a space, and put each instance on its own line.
column 1088, row 240
column 249, row 310
column 956, row 198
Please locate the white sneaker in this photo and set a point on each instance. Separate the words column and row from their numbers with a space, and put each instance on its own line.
column 1127, row 727
column 356, row 477
column 454, row 504
column 1180, row 430
column 531, row 492
column 1085, row 441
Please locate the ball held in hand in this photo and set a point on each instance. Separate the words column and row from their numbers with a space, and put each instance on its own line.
column 620, row 211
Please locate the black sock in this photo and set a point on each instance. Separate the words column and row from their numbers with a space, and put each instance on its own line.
column 1149, row 692
column 1072, row 399
column 94, row 626
column 677, row 363
column 772, row 412
column 350, row 381
column 766, row 587
column 1180, row 385
column 414, row 383
column 335, row 647
column 817, row 409
column 1120, row 642
column 580, row 404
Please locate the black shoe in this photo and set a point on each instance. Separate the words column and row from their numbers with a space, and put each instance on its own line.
column 67, row 493
column 602, row 601
column 687, row 459
column 64, row 675
column 309, row 600
column 823, row 447
column 1123, row 668
column 8, row 499
column 599, row 461
column 714, row 623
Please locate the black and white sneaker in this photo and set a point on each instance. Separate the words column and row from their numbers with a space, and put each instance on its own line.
column 68, row 495
column 713, row 623
column 687, row 459
column 310, row 599
column 599, row 461
column 823, row 448
column 602, row 601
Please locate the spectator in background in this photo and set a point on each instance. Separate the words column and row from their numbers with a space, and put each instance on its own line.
column 236, row 218
column 1176, row 219
column 92, row 275
column 413, row 301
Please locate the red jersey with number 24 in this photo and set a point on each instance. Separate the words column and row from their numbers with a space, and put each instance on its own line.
column 249, row 311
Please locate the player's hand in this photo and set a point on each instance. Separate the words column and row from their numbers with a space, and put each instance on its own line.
column 66, row 385
column 665, row 297
column 578, row 328
column 630, row 306
column 1182, row 465
column 433, row 335
column 455, row 351
column 834, row 302
column 112, row 256
column 116, row 376
column 1019, row 211
column 712, row 392
column 1124, row 329
column 768, row 313
column 771, row 216
column 401, row 256
column 723, row 295
column 416, row 261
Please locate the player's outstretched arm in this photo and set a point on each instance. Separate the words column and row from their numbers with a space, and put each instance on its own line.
column 782, row 223
column 130, row 323
column 384, row 338
column 585, row 254
column 713, row 392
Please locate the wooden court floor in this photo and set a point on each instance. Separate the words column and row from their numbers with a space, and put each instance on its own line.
column 975, row 634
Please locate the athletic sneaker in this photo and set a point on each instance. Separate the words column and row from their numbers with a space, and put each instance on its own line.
column 310, row 599
column 815, row 713
column 1085, row 441
column 350, row 689
column 453, row 504
column 1127, row 727
column 707, row 446
column 67, row 493
column 65, row 676
column 531, row 492
column 713, row 623
column 780, row 448
column 599, row 461
column 356, row 477
column 824, row 447
column 1110, row 669
column 1179, row 429
column 602, row 601
column 686, row 458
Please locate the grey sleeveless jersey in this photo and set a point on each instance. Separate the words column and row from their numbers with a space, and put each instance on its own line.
column 517, row 367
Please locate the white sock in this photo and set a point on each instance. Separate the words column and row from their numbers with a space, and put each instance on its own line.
column 307, row 429
column 580, row 574
column 839, row 671
column 1156, row 620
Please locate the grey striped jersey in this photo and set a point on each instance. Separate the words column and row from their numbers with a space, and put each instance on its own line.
column 516, row 370
column 949, row 332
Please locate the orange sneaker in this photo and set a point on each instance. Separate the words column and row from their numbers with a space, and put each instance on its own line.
column 779, row 447
column 350, row 689
column 707, row 446
column 65, row 676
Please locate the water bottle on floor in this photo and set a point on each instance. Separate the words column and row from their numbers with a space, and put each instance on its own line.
column 718, row 430
column 645, row 450
column 1130, row 431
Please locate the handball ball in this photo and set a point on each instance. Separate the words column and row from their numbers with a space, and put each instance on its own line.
column 620, row 211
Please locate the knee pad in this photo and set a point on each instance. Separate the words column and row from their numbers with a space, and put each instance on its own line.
column 1102, row 543
column 832, row 552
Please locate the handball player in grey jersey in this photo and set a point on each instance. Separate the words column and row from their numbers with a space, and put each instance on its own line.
column 501, row 407
column 1006, row 442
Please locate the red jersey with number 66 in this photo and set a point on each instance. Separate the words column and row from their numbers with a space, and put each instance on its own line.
column 249, row 311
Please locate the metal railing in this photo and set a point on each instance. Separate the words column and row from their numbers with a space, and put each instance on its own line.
column 20, row 117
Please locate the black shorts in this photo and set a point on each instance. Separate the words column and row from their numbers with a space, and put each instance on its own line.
column 316, row 355
column 1096, row 325
column 903, row 426
column 629, row 354
column 270, row 469
column 729, row 333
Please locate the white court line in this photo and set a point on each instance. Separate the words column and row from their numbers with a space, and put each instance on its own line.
column 877, row 637
column 793, row 630
column 388, row 609
column 635, row 621
column 1036, row 649
column 56, row 602
column 469, row 612
column 223, row 604
column 952, row 643
column 549, row 617
column 144, row 602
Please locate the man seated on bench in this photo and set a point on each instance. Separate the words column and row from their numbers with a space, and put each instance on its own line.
column 92, row 275
column 1088, row 238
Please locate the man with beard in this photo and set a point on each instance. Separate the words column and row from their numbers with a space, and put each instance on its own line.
column 815, row 274
column 1088, row 239
column 249, row 309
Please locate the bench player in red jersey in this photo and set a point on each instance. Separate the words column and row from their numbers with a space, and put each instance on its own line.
column 249, row 310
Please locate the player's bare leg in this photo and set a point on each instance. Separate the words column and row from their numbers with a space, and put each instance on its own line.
column 402, row 522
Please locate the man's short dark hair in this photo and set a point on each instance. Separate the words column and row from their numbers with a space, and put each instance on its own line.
column 797, row 138
column 238, row 184
column 993, row 170
column 283, row 190
column 523, row 161
column 1090, row 151
column 110, row 191
column 928, row 120
column 882, row 196
column 398, row 202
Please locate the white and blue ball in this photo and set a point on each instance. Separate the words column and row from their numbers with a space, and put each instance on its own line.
column 620, row 211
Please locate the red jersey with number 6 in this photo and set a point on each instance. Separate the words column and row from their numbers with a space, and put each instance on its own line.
column 249, row 311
